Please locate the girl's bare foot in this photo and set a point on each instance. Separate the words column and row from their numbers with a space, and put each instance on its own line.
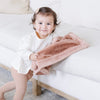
column 1, row 95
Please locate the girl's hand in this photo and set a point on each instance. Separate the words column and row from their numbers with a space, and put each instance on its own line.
column 33, row 56
column 34, row 66
column 29, row 74
column 56, row 39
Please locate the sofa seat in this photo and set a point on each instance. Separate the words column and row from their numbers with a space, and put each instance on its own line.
column 6, row 56
column 83, row 63
column 70, row 84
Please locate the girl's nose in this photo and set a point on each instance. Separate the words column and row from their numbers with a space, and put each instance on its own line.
column 44, row 26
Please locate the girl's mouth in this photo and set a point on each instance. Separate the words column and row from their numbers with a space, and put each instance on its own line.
column 44, row 30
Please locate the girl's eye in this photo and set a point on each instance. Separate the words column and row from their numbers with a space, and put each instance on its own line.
column 48, row 23
column 40, row 23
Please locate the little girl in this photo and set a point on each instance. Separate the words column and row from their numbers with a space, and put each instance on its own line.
column 44, row 23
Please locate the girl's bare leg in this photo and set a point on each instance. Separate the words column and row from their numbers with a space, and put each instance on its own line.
column 11, row 85
column 5, row 88
column 21, row 84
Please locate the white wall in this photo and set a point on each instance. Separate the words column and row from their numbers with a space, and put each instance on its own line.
column 75, row 12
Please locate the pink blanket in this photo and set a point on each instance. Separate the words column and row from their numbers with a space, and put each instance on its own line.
column 58, row 51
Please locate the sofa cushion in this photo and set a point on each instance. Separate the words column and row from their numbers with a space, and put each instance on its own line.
column 14, row 6
column 85, row 12
column 13, row 28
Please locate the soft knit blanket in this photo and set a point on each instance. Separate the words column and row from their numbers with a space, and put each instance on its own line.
column 58, row 50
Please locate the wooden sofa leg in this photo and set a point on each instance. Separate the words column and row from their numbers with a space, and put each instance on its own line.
column 36, row 87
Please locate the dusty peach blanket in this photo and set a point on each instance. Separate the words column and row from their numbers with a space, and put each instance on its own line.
column 58, row 51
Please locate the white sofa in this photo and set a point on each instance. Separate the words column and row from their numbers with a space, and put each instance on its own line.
column 78, row 76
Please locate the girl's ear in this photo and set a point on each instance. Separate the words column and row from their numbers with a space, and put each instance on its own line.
column 54, row 27
column 34, row 25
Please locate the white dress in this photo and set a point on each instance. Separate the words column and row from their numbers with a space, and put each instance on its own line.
column 30, row 43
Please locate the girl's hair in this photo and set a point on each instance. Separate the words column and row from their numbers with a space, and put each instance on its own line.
column 47, row 12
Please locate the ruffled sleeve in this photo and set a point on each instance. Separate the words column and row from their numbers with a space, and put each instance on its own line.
column 24, row 49
column 21, row 62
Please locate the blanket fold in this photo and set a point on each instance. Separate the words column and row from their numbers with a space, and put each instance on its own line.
column 58, row 51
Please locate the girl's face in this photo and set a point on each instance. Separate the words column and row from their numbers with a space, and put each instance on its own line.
column 44, row 25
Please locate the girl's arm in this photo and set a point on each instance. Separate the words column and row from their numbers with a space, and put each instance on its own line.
column 24, row 49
